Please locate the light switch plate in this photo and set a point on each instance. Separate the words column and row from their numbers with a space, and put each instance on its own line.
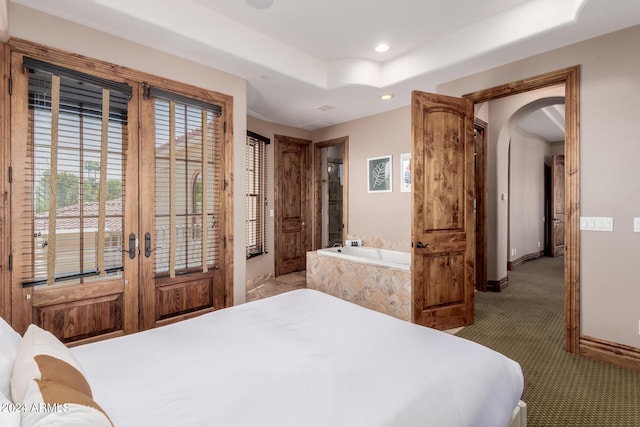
column 636, row 225
column 589, row 223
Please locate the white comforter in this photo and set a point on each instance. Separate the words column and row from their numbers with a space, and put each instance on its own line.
column 302, row 358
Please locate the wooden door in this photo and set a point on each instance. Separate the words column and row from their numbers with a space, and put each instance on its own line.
column 442, row 254
column 557, row 205
column 183, row 218
column 73, row 202
column 293, row 204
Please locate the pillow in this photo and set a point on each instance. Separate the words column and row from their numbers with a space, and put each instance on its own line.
column 49, row 403
column 9, row 413
column 42, row 356
column 9, row 340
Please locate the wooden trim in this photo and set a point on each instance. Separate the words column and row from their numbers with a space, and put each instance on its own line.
column 59, row 294
column 524, row 258
column 172, row 189
column 481, row 188
column 53, row 181
column 114, row 72
column 228, row 216
column 609, row 352
column 5, row 161
column 570, row 78
column 497, row 285
column 317, row 180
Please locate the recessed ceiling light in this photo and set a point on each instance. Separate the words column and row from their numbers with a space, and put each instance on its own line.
column 260, row 4
column 382, row 47
column 386, row 96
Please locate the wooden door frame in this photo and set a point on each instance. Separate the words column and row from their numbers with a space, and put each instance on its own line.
column 279, row 139
column 570, row 78
column 481, row 206
column 555, row 251
column 5, row 162
column 317, row 179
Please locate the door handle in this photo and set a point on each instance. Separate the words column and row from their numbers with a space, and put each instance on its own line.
column 147, row 245
column 132, row 246
column 421, row 245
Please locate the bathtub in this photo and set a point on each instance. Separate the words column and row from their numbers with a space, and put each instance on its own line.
column 379, row 279
column 367, row 255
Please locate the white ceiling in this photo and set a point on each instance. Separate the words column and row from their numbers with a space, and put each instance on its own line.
column 310, row 64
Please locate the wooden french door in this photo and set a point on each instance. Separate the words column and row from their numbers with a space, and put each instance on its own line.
column 293, row 204
column 121, row 198
column 557, row 205
column 442, row 253
column 181, row 203
column 74, row 196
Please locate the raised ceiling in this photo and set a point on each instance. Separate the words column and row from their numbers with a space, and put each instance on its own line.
column 310, row 64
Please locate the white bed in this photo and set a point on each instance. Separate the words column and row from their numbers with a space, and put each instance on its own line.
column 302, row 358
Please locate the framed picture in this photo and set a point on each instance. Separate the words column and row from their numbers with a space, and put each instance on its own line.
column 405, row 172
column 379, row 174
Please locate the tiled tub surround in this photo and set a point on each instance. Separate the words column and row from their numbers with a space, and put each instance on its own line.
column 383, row 288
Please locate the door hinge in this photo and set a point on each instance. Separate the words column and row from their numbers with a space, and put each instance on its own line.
column 10, row 175
column 224, row 127
column 10, row 86
column 224, row 242
column 224, row 184
column 10, row 262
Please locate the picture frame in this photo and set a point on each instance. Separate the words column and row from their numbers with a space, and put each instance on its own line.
column 379, row 173
column 405, row 172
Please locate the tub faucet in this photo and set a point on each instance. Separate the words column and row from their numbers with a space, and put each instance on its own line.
column 337, row 245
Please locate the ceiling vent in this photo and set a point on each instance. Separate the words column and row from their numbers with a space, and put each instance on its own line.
column 324, row 107
column 318, row 124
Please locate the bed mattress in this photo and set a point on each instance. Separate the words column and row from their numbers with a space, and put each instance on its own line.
column 302, row 358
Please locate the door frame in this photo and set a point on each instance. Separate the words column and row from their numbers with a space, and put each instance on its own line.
column 481, row 186
column 570, row 78
column 317, row 179
column 556, row 250
column 277, row 196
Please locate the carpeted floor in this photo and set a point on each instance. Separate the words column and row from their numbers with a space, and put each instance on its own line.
column 525, row 322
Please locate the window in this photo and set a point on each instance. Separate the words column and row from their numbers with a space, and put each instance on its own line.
column 188, row 202
column 256, row 170
column 74, row 191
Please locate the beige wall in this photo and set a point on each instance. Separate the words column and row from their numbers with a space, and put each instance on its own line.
column 383, row 215
column 609, row 173
column 34, row 26
column 264, row 265
column 526, row 194
column 503, row 116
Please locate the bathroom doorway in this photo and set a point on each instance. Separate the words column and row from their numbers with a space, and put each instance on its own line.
column 330, row 176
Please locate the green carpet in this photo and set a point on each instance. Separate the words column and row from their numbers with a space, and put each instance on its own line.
column 525, row 322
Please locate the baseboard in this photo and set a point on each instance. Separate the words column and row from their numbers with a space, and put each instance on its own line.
column 497, row 285
column 609, row 352
column 524, row 258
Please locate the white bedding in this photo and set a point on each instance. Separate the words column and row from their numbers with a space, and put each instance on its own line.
column 302, row 358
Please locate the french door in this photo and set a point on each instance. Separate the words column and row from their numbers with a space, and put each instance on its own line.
column 119, row 200
column 181, row 202
column 73, row 202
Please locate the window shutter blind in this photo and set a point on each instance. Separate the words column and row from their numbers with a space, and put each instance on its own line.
column 189, row 184
column 256, row 194
column 74, row 195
